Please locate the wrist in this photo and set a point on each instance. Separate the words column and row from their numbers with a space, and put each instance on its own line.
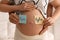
column 15, row 7
column 53, row 18
column 19, row 7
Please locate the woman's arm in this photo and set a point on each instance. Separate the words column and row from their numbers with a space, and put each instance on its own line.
column 51, row 18
column 56, row 5
column 56, row 14
column 49, row 10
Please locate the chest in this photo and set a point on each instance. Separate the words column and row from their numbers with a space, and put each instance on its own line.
column 36, row 2
column 40, row 4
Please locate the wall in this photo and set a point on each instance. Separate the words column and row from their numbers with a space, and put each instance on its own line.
column 7, row 29
column 57, row 29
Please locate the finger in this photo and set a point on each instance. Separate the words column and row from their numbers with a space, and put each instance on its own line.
column 48, row 22
column 44, row 30
column 49, row 19
column 46, row 19
column 28, row 9
column 14, row 16
column 45, row 27
column 13, row 21
column 29, row 5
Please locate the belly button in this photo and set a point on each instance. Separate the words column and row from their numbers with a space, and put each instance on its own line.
column 31, row 22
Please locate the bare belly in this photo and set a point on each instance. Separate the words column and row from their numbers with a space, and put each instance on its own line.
column 30, row 28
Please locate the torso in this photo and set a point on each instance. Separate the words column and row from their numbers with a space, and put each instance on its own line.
column 30, row 28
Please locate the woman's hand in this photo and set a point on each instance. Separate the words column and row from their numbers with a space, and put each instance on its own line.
column 47, row 22
column 27, row 6
column 13, row 18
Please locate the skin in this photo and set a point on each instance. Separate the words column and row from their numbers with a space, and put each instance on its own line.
column 29, row 12
column 5, row 7
column 52, row 17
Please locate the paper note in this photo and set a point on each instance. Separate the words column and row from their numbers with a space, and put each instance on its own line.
column 22, row 19
column 38, row 19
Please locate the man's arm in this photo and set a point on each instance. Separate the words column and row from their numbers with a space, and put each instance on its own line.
column 7, row 8
column 4, row 7
column 4, row 1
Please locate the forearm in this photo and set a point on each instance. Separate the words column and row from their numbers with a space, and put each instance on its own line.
column 7, row 8
column 49, row 10
column 56, row 14
column 10, row 8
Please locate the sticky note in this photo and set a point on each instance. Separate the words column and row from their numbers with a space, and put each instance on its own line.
column 22, row 19
column 38, row 19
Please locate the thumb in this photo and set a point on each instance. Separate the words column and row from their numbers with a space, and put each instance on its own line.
column 43, row 30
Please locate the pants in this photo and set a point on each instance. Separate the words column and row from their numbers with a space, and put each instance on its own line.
column 46, row 36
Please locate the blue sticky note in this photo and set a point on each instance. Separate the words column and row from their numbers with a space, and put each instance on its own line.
column 22, row 19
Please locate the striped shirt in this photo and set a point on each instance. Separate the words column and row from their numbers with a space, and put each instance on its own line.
column 40, row 4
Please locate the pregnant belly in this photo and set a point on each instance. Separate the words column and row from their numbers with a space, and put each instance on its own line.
column 31, row 27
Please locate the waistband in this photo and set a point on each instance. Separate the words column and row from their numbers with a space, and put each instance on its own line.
column 28, row 37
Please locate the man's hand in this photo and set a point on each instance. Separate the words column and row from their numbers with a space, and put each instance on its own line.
column 13, row 18
column 26, row 6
